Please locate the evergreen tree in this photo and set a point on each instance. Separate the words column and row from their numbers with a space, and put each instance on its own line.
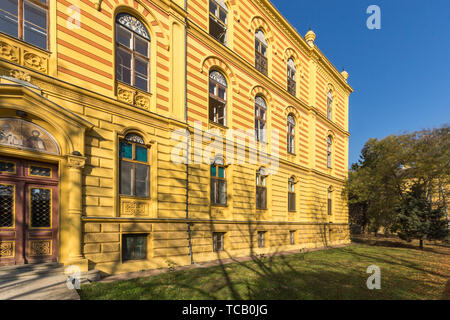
column 416, row 219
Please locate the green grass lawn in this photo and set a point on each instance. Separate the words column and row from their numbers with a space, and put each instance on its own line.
column 406, row 273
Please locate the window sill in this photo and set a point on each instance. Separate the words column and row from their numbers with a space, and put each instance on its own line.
column 220, row 205
column 134, row 261
column 222, row 43
column 124, row 196
column 23, row 42
column 220, row 126
column 132, row 95
column 133, row 87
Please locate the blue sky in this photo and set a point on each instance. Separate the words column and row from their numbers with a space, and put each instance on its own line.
column 400, row 74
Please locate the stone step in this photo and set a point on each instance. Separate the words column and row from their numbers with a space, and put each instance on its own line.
column 30, row 270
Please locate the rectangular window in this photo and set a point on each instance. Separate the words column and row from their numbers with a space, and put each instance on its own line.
column 261, row 192
column 329, row 108
column 292, row 237
column 329, row 204
column 261, row 63
column 134, row 170
column 261, row 239
column 35, row 24
column 41, row 207
column 260, row 120
column 40, row 171
column 217, row 98
column 8, row 167
column 291, row 83
column 260, row 57
column 134, row 247
column 123, row 66
column 218, row 241
column 218, row 185
column 217, row 22
column 291, row 201
column 26, row 20
column 6, row 205
column 291, row 194
column 9, row 17
column 132, row 58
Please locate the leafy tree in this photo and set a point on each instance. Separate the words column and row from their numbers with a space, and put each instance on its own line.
column 387, row 169
column 374, row 186
column 416, row 219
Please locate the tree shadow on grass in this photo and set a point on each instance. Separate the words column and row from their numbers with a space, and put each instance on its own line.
column 295, row 277
column 396, row 243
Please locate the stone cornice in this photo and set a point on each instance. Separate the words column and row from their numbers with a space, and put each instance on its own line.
column 193, row 221
column 52, row 86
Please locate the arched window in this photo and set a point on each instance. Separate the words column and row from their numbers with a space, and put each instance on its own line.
column 329, row 203
column 217, row 97
column 329, row 105
column 26, row 20
column 218, row 182
column 261, row 52
column 290, row 134
column 291, row 82
column 260, row 119
column 291, row 194
column 261, row 189
column 132, row 52
column 218, row 12
column 329, row 151
column 134, row 167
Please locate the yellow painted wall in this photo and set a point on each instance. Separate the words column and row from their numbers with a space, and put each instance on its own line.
column 76, row 77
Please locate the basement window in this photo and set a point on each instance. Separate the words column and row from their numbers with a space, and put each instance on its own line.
column 292, row 237
column 218, row 241
column 134, row 247
column 261, row 239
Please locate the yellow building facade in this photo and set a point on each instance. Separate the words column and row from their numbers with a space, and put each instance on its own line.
column 139, row 134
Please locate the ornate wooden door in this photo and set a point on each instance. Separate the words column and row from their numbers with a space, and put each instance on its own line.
column 28, row 211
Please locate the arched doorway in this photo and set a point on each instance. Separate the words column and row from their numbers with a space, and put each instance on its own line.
column 29, row 205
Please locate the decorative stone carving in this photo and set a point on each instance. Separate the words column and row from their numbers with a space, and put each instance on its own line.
column 125, row 95
column 21, row 75
column 9, row 52
column 6, row 249
column 134, row 138
column 133, row 24
column 142, row 101
column 41, row 248
column 310, row 37
column 134, row 208
column 345, row 74
column 98, row 5
column 132, row 96
column 34, row 61
column 76, row 161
